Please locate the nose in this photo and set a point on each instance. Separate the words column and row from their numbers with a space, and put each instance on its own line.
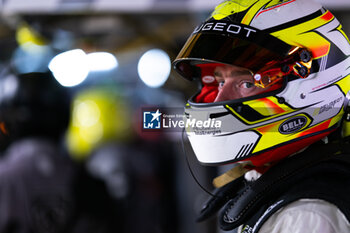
column 227, row 92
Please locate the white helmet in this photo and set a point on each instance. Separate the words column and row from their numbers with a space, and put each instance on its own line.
column 296, row 50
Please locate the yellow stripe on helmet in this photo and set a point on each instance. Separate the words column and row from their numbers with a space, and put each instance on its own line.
column 302, row 35
column 268, row 107
column 272, row 136
column 340, row 29
column 228, row 8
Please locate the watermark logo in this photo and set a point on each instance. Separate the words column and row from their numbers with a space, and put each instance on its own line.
column 152, row 120
column 175, row 120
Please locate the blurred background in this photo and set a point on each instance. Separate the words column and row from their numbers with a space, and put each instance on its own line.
column 113, row 58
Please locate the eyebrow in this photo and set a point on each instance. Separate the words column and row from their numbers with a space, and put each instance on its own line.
column 241, row 72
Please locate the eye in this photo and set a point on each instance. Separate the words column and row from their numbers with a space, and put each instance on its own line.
column 247, row 85
column 221, row 83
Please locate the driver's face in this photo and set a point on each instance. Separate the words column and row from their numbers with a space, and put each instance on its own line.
column 234, row 83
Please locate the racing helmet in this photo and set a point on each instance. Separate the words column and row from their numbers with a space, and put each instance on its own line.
column 293, row 51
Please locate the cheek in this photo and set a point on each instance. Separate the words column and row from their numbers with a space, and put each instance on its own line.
column 245, row 92
column 229, row 92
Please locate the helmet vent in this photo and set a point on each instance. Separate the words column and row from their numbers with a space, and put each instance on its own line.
column 245, row 150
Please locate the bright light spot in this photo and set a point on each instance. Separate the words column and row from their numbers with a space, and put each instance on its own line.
column 9, row 87
column 86, row 114
column 70, row 68
column 102, row 61
column 154, row 67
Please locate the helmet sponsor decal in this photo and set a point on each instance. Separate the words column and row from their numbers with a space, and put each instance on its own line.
column 236, row 29
column 208, row 79
column 330, row 105
column 292, row 125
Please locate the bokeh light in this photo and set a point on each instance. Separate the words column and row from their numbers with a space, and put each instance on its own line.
column 102, row 61
column 154, row 67
column 70, row 68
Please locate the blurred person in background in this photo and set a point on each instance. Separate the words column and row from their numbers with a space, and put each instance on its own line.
column 36, row 176
column 275, row 74
column 41, row 188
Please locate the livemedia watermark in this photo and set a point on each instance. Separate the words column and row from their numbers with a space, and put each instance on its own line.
column 174, row 120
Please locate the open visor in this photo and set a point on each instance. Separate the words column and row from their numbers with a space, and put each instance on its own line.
column 228, row 43
column 219, row 43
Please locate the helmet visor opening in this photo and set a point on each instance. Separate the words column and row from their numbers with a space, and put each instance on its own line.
column 254, row 71
column 222, row 82
column 235, row 61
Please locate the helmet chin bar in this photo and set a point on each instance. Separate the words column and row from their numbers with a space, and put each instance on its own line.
column 298, row 63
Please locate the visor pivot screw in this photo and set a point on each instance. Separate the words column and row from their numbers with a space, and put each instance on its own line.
column 302, row 95
column 281, row 100
column 305, row 56
column 302, row 71
column 285, row 69
column 257, row 77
